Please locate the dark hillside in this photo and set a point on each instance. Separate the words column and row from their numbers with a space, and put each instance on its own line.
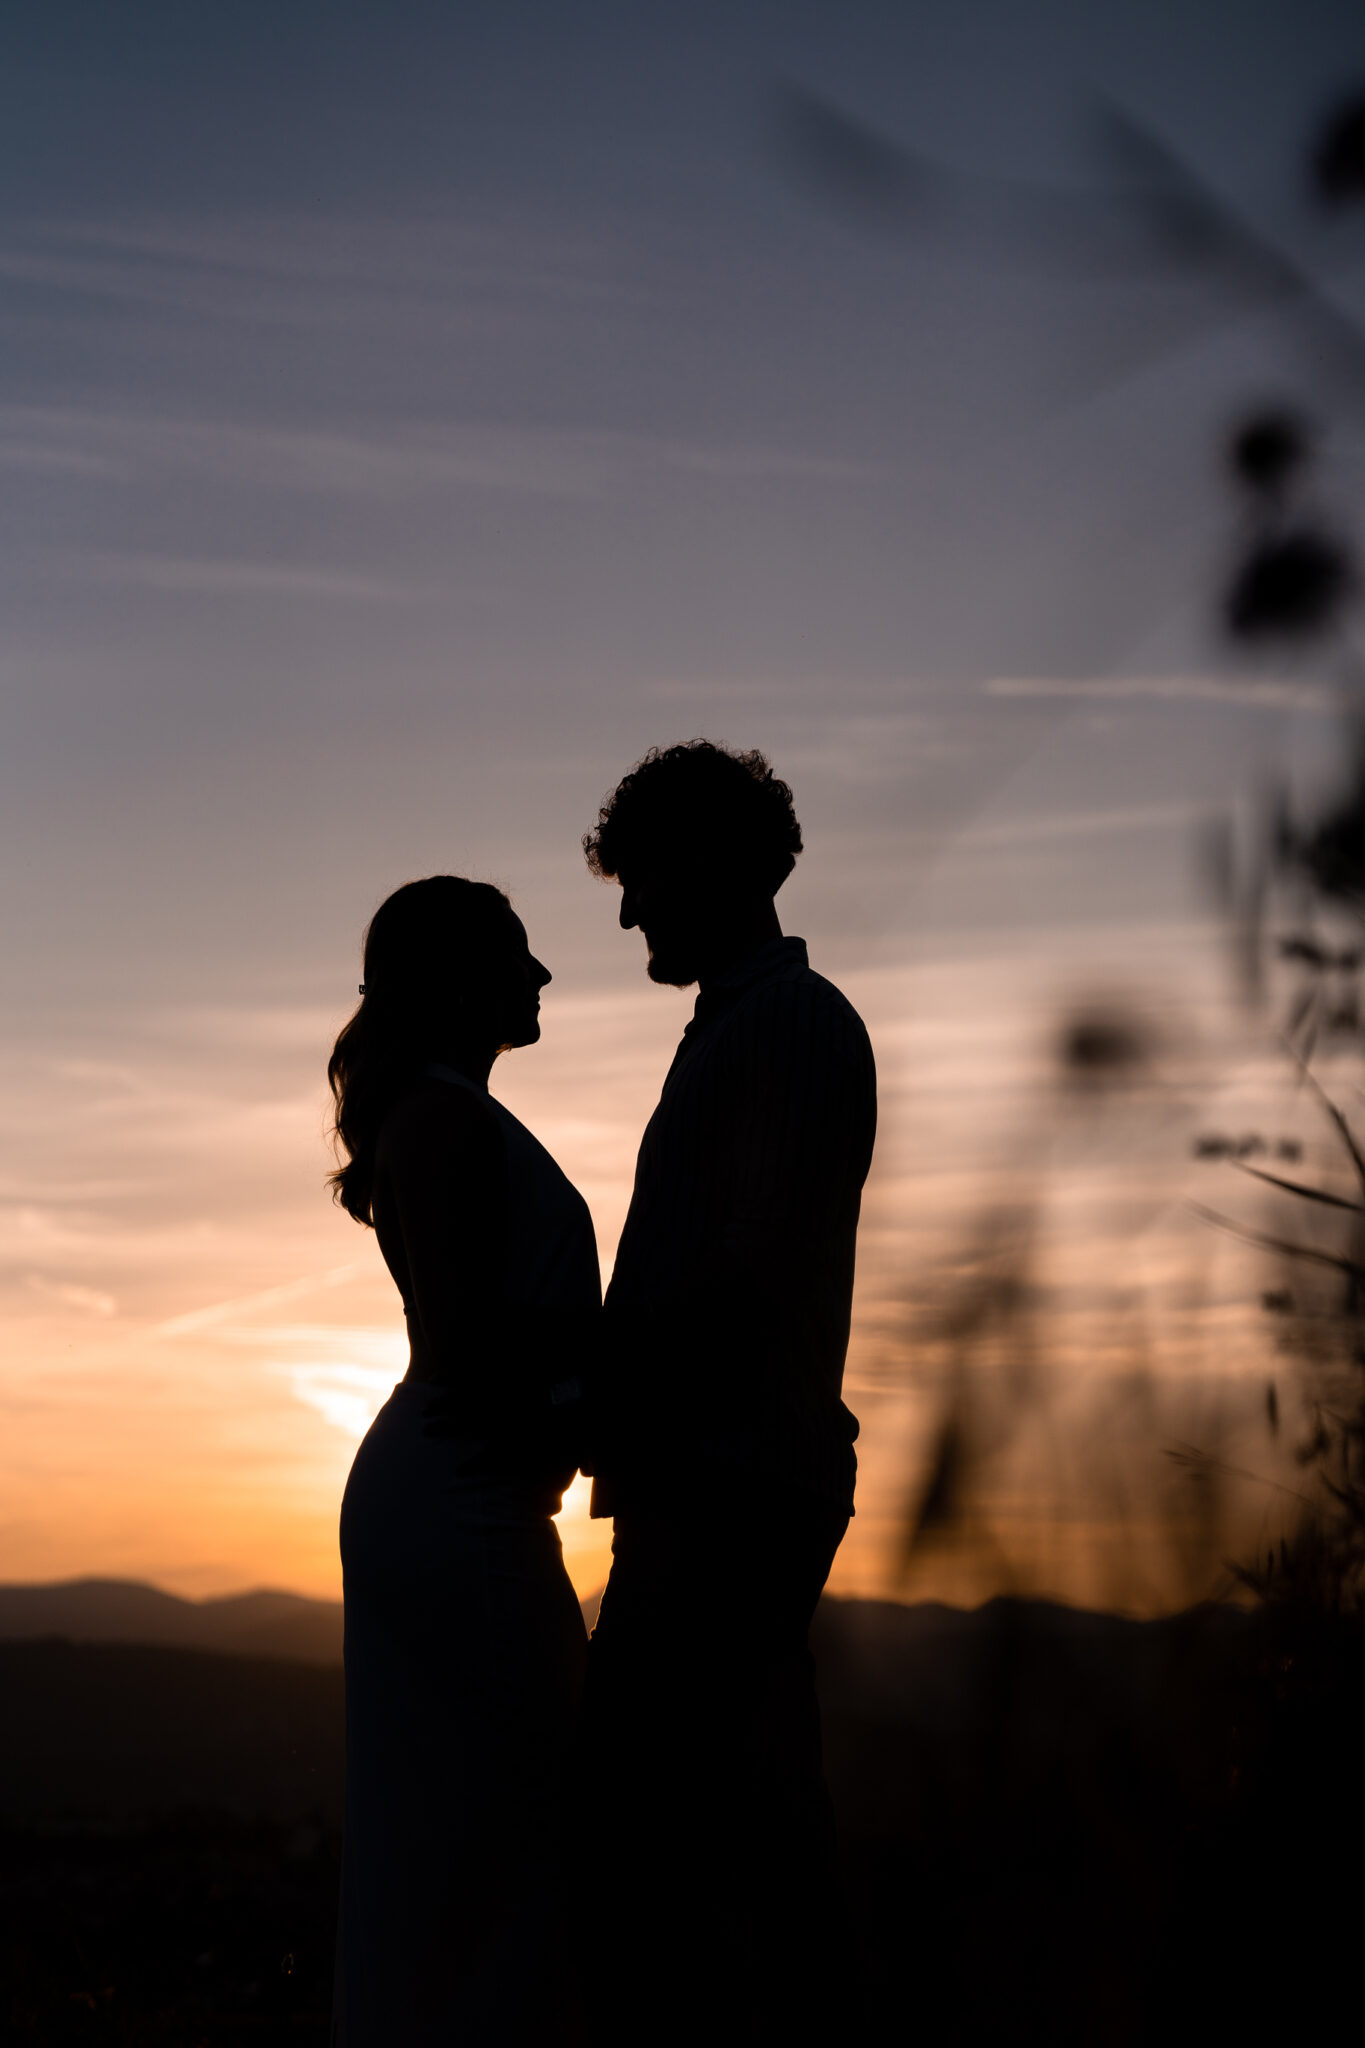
column 169, row 1825
column 1055, row 1827
column 113, row 1733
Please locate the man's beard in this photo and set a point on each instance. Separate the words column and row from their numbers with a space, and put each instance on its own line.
column 670, row 970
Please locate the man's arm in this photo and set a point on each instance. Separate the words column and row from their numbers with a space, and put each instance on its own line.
column 802, row 1089
column 765, row 1315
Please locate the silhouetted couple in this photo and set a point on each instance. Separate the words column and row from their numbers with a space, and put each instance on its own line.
column 626, row 1840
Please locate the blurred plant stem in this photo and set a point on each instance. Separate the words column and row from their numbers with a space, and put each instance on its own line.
column 1297, row 908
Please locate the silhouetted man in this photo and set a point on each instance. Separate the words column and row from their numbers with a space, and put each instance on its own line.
column 725, row 1452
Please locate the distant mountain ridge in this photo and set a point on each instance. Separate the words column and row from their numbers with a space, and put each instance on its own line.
column 101, row 1721
column 263, row 1623
column 257, row 1624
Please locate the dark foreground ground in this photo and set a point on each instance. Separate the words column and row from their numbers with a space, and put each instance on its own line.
column 1056, row 1828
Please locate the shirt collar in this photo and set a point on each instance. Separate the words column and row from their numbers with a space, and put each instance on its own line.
column 777, row 957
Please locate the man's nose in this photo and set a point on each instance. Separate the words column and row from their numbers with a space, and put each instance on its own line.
column 630, row 915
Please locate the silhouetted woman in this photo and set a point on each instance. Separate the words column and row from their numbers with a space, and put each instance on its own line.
column 464, row 1640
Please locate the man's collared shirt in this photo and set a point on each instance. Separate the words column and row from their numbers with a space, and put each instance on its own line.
column 728, row 1312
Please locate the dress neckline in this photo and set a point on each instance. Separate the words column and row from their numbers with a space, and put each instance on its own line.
column 436, row 1072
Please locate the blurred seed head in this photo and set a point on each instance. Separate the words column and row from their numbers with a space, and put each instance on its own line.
column 1292, row 586
column 1269, row 449
column 1218, row 1145
column 1100, row 1048
column 1332, row 852
column 1338, row 158
column 1335, row 854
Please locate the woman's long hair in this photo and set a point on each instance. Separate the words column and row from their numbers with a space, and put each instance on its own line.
column 425, row 945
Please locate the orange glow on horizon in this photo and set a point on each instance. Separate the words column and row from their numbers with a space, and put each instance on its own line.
column 188, row 1371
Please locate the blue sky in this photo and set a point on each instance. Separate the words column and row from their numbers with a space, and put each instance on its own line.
column 405, row 410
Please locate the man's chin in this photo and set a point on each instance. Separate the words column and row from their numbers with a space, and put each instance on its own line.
column 670, row 973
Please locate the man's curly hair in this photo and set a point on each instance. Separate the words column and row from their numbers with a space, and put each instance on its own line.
column 698, row 805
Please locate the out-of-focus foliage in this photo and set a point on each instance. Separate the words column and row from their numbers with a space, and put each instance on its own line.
column 1099, row 1048
column 1269, row 450
column 1330, row 854
column 1294, row 898
column 1044, row 1463
column 1292, row 586
column 1297, row 576
column 1337, row 164
column 1299, row 902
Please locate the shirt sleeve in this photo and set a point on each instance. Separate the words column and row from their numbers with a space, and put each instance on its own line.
column 801, row 1119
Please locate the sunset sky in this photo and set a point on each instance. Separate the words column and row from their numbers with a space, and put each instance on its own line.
column 411, row 414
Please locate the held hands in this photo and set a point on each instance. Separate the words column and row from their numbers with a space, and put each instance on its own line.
column 528, row 1389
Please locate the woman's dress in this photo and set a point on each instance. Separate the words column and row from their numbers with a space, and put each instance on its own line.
column 464, row 1648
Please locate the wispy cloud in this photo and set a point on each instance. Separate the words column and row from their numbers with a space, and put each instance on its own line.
column 91, row 1301
column 47, row 458
column 302, row 1027
column 1076, row 825
column 310, row 270
column 410, row 458
column 349, row 1395
column 176, row 574
column 758, row 462
column 220, row 1312
column 407, row 459
column 1266, row 693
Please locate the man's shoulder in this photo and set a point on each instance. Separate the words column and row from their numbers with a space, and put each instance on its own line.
column 801, row 986
column 801, row 1000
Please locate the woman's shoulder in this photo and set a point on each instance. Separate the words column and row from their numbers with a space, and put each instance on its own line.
column 431, row 1119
